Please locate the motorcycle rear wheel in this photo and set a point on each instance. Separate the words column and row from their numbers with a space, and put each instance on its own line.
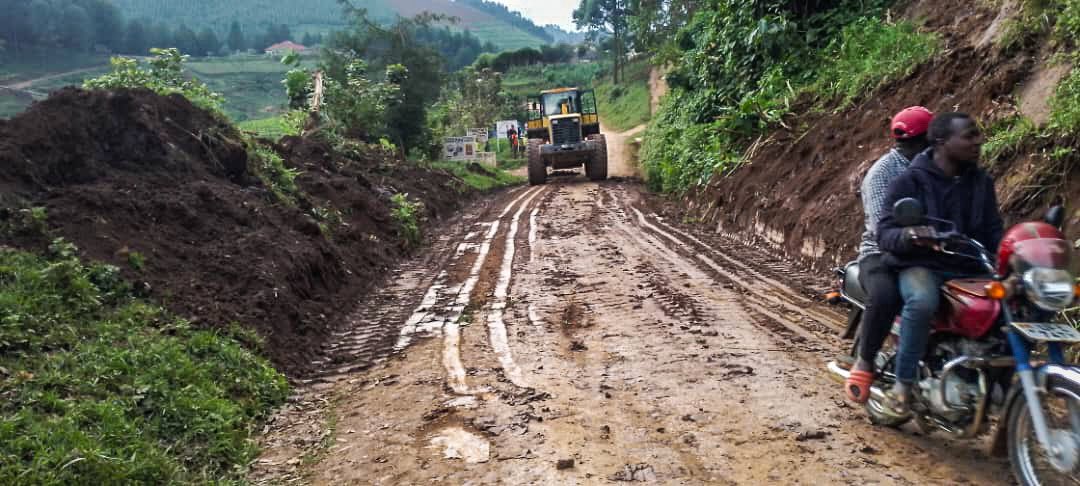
column 1030, row 462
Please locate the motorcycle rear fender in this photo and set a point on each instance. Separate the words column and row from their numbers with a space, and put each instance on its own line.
column 1048, row 376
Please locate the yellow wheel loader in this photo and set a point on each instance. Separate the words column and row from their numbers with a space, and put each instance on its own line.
column 564, row 133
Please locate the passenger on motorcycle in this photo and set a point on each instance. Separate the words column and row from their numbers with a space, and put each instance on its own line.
column 947, row 181
column 879, row 281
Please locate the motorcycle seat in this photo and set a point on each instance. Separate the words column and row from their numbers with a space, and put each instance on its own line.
column 853, row 289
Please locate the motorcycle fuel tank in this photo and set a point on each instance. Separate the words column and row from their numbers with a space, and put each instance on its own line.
column 966, row 309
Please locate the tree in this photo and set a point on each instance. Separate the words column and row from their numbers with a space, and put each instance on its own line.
column 160, row 36
column 208, row 43
column 385, row 46
column 137, row 40
column 108, row 25
column 309, row 40
column 76, row 28
column 611, row 16
column 186, row 40
column 236, row 37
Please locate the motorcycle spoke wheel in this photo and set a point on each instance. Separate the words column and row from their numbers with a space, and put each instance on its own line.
column 1031, row 461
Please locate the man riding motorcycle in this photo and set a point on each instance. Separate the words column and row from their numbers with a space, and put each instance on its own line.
column 883, row 301
column 948, row 183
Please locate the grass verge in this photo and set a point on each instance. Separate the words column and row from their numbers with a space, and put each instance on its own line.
column 478, row 176
column 626, row 105
column 100, row 387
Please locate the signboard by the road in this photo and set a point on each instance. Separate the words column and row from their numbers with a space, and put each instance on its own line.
column 459, row 148
column 502, row 126
column 479, row 134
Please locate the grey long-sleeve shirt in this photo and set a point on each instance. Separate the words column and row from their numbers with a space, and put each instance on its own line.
column 875, row 186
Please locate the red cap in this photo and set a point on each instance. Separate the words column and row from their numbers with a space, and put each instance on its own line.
column 911, row 122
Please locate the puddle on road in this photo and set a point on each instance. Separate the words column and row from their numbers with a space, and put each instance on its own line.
column 457, row 443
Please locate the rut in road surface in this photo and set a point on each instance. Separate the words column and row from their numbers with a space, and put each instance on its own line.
column 565, row 334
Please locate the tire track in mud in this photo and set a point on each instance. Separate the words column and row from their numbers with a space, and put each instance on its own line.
column 778, row 308
column 442, row 284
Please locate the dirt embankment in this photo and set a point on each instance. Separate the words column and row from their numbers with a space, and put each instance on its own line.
column 131, row 174
column 800, row 191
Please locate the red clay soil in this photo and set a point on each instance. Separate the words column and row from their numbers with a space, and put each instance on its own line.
column 131, row 171
column 804, row 184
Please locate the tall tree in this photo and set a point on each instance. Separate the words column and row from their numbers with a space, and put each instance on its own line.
column 186, row 40
column 108, row 25
column 607, row 16
column 208, row 43
column 159, row 35
column 236, row 37
column 76, row 28
column 137, row 39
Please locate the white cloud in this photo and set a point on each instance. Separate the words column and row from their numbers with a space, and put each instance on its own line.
column 543, row 12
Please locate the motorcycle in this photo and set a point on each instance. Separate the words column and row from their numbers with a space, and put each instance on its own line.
column 994, row 350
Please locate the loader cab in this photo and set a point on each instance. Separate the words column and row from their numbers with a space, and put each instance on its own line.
column 563, row 115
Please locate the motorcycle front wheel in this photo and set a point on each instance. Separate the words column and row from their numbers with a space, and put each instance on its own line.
column 1031, row 463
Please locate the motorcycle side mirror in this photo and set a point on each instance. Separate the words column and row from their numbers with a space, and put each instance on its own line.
column 1055, row 216
column 908, row 212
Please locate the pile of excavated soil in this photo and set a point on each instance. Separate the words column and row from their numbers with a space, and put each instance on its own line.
column 131, row 171
column 800, row 190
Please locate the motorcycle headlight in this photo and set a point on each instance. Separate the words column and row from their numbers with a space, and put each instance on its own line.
column 1049, row 289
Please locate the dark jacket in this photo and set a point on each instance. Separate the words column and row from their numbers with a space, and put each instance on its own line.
column 967, row 200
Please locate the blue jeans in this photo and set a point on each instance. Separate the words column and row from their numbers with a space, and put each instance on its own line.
column 921, row 290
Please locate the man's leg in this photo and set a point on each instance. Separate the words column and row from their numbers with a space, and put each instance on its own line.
column 883, row 303
column 921, row 291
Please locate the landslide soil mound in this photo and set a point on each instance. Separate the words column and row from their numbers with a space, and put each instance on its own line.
column 800, row 190
column 133, row 173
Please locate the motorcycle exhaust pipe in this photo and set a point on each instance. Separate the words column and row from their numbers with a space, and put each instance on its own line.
column 840, row 375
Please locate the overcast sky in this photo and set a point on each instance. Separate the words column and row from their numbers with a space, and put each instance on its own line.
column 543, row 12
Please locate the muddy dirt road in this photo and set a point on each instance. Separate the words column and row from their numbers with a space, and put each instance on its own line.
column 566, row 334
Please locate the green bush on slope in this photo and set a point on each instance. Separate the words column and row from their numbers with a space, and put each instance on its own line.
column 744, row 64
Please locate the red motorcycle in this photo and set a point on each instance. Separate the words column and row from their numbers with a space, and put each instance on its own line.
column 995, row 349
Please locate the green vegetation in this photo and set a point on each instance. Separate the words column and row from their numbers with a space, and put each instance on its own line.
column 507, row 160
column 274, row 128
column 163, row 73
column 478, row 176
column 530, row 80
column 407, row 216
column 1059, row 22
column 136, row 260
column 1006, row 137
column 269, row 167
column 489, row 22
column 627, row 105
column 740, row 66
column 101, row 388
column 868, row 54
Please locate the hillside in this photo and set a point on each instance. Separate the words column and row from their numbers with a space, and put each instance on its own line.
column 488, row 22
column 796, row 188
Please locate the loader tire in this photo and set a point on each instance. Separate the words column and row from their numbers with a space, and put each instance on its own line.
column 537, row 169
column 596, row 166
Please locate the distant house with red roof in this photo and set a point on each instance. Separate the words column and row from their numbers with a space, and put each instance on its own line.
column 282, row 48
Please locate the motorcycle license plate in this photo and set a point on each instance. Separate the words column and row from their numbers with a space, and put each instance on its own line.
column 1047, row 331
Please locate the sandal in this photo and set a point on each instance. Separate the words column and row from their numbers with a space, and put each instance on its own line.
column 858, row 384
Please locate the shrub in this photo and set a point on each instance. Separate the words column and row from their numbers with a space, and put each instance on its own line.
column 407, row 216
column 163, row 73
column 269, row 167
